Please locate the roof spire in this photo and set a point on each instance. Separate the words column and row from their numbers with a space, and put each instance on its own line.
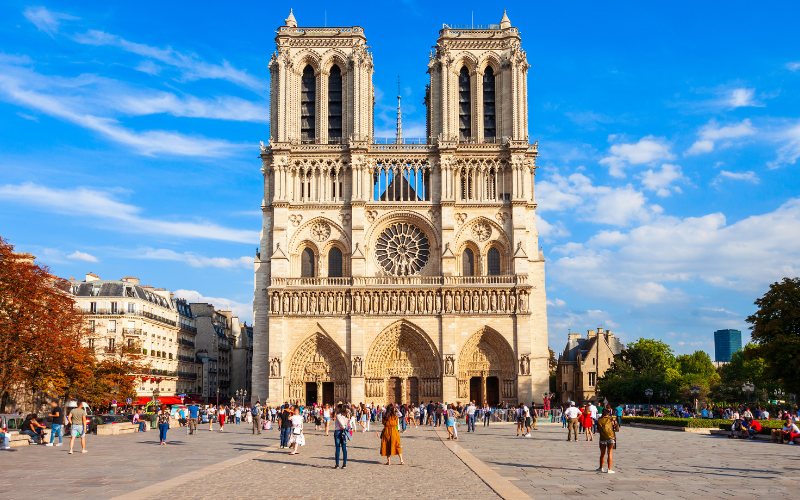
column 291, row 21
column 505, row 23
column 399, row 138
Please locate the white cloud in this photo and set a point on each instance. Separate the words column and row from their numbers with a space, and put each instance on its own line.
column 243, row 311
column 45, row 20
column 110, row 212
column 550, row 231
column 712, row 132
column 743, row 97
column 648, row 150
column 661, row 181
column 76, row 255
column 149, row 67
column 649, row 263
column 793, row 66
column 192, row 66
column 607, row 205
column 748, row 176
column 790, row 151
column 193, row 259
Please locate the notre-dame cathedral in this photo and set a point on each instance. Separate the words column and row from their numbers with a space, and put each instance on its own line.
column 399, row 272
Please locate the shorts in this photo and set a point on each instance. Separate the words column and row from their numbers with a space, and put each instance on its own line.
column 527, row 422
column 327, row 419
column 77, row 431
column 520, row 420
column 606, row 441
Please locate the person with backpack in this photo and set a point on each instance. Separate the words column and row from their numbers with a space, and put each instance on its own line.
column 608, row 428
column 341, row 434
column 256, row 411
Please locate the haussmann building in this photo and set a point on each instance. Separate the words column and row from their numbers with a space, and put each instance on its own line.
column 399, row 272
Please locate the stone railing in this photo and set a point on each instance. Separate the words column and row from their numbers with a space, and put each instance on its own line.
column 400, row 281
column 466, row 300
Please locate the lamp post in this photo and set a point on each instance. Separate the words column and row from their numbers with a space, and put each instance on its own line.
column 779, row 394
column 695, row 390
column 748, row 387
column 665, row 395
column 649, row 394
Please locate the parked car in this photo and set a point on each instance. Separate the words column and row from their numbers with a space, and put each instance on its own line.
column 11, row 421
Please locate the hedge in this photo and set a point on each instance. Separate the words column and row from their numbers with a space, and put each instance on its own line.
column 697, row 423
column 766, row 426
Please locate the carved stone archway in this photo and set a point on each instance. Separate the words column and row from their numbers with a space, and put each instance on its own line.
column 403, row 354
column 317, row 360
column 487, row 354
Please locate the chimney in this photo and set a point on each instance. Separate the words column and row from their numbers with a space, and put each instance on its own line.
column 92, row 277
column 592, row 333
column 131, row 280
column 599, row 331
column 27, row 258
column 574, row 336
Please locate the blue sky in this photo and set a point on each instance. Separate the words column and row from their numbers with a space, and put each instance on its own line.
column 669, row 137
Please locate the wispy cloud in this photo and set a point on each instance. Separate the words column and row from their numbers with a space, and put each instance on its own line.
column 192, row 258
column 793, row 66
column 712, row 132
column 790, row 151
column 743, row 97
column 109, row 212
column 191, row 65
column 76, row 255
column 46, row 20
column 748, row 176
column 661, row 180
column 648, row 150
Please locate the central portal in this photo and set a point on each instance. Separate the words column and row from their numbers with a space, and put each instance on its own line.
column 327, row 393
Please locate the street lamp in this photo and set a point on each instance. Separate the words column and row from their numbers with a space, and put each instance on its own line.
column 695, row 390
column 747, row 387
column 779, row 394
column 665, row 395
column 649, row 394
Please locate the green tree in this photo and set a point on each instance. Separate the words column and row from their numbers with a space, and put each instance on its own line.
column 645, row 364
column 775, row 328
column 698, row 363
column 745, row 366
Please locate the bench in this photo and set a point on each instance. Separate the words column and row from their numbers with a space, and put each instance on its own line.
column 116, row 429
column 16, row 439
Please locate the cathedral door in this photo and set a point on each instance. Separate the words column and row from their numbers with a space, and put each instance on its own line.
column 493, row 391
column 413, row 390
column 327, row 393
column 311, row 393
column 393, row 392
column 475, row 388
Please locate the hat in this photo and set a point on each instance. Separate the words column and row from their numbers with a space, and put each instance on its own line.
column 572, row 403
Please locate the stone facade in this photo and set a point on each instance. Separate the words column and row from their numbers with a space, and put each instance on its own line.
column 583, row 361
column 399, row 272
column 213, row 342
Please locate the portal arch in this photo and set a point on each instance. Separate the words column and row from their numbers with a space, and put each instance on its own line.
column 487, row 356
column 317, row 361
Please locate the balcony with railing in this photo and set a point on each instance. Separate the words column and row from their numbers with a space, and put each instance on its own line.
column 187, row 359
column 400, row 281
column 132, row 331
column 187, row 343
column 188, row 328
column 187, row 375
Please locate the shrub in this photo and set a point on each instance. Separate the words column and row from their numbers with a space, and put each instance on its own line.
column 695, row 423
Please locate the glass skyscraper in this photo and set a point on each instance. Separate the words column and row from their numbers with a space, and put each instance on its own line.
column 726, row 342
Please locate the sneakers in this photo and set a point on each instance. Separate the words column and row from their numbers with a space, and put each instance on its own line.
column 600, row 469
column 335, row 466
column 609, row 471
column 344, row 466
column 49, row 444
column 84, row 451
column 528, row 435
column 59, row 444
column 70, row 452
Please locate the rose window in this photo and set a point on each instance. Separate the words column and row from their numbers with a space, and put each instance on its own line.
column 402, row 249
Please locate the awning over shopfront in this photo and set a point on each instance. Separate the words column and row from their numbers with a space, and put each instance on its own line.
column 165, row 400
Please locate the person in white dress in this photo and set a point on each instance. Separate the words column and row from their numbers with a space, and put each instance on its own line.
column 297, row 439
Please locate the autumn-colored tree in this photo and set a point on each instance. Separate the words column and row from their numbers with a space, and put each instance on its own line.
column 41, row 332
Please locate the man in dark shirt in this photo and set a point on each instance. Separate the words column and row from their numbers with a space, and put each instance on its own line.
column 286, row 425
column 58, row 424
column 31, row 427
column 431, row 409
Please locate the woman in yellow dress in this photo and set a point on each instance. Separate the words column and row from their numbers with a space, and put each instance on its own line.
column 390, row 438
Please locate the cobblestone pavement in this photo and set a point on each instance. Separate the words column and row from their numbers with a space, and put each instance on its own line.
column 430, row 469
column 649, row 464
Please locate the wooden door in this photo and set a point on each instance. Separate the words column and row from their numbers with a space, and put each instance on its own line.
column 493, row 391
column 475, row 388
column 327, row 393
column 393, row 394
column 413, row 390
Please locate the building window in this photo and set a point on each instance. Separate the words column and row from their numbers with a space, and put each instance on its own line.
column 131, row 307
column 307, row 263
column 110, row 344
column 335, row 263
column 93, row 307
column 565, row 387
column 493, row 259
column 335, row 105
column 114, row 307
column 566, row 369
column 593, row 362
column 464, row 106
column 91, row 343
column 308, row 102
column 489, row 130
column 592, row 376
column 468, row 263
column 112, row 326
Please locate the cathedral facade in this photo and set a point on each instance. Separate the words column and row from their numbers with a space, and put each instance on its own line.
column 399, row 272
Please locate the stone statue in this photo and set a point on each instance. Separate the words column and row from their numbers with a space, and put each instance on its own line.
column 276, row 303
column 357, row 302
column 524, row 302
column 447, row 302
column 475, row 304
column 484, row 302
column 448, row 365
column 313, row 303
column 294, row 303
column 339, row 302
column 402, row 302
column 304, row 303
column 438, row 302
column 347, row 304
column 330, row 304
column 394, row 302
column 503, row 302
column 385, row 303
column 286, row 304
column 421, row 303
column 512, row 302
column 494, row 302
column 429, row 300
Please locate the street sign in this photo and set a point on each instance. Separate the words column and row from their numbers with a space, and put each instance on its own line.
column 114, row 402
column 128, row 401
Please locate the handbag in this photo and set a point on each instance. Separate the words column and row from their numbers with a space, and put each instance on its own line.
column 347, row 436
column 297, row 431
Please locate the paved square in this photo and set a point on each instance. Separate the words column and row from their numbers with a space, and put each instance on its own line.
column 649, row 464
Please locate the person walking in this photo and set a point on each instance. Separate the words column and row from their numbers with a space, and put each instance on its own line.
column 256, row 412
column 587, row 422
column 571, row 414
column 341, row 434
column 326, row 416
column 390, row 438
column 58, row 424
column 297, row 438
column 211, row 412
column 286, row 425
column 77, row 419
column 238, row 415
column 608, row 428
column 194, row 412
column 470, row 411
column 450, row 422
column 163, row 424
column 487, row 414
column 221, row 417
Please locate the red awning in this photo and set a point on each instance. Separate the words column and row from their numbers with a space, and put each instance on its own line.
column 164, row 400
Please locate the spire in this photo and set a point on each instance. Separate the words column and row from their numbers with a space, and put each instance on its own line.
column 399, row 139
column 505, row 23
column 291, row 21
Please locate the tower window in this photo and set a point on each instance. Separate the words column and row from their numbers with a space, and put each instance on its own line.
column 335, row 105
column 307, row 264
column 489, row 127
column 493, row 259
column 464, row 108
column 308, row 101
column 335, row 263
column 468, row 263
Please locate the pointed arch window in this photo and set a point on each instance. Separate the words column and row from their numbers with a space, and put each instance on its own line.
column 335, row 263
column 493, row 262
column 489, row 122
column 468, row 263
column 335, row 105
column 464, row 107
column 307, row 263
column 308, row 103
